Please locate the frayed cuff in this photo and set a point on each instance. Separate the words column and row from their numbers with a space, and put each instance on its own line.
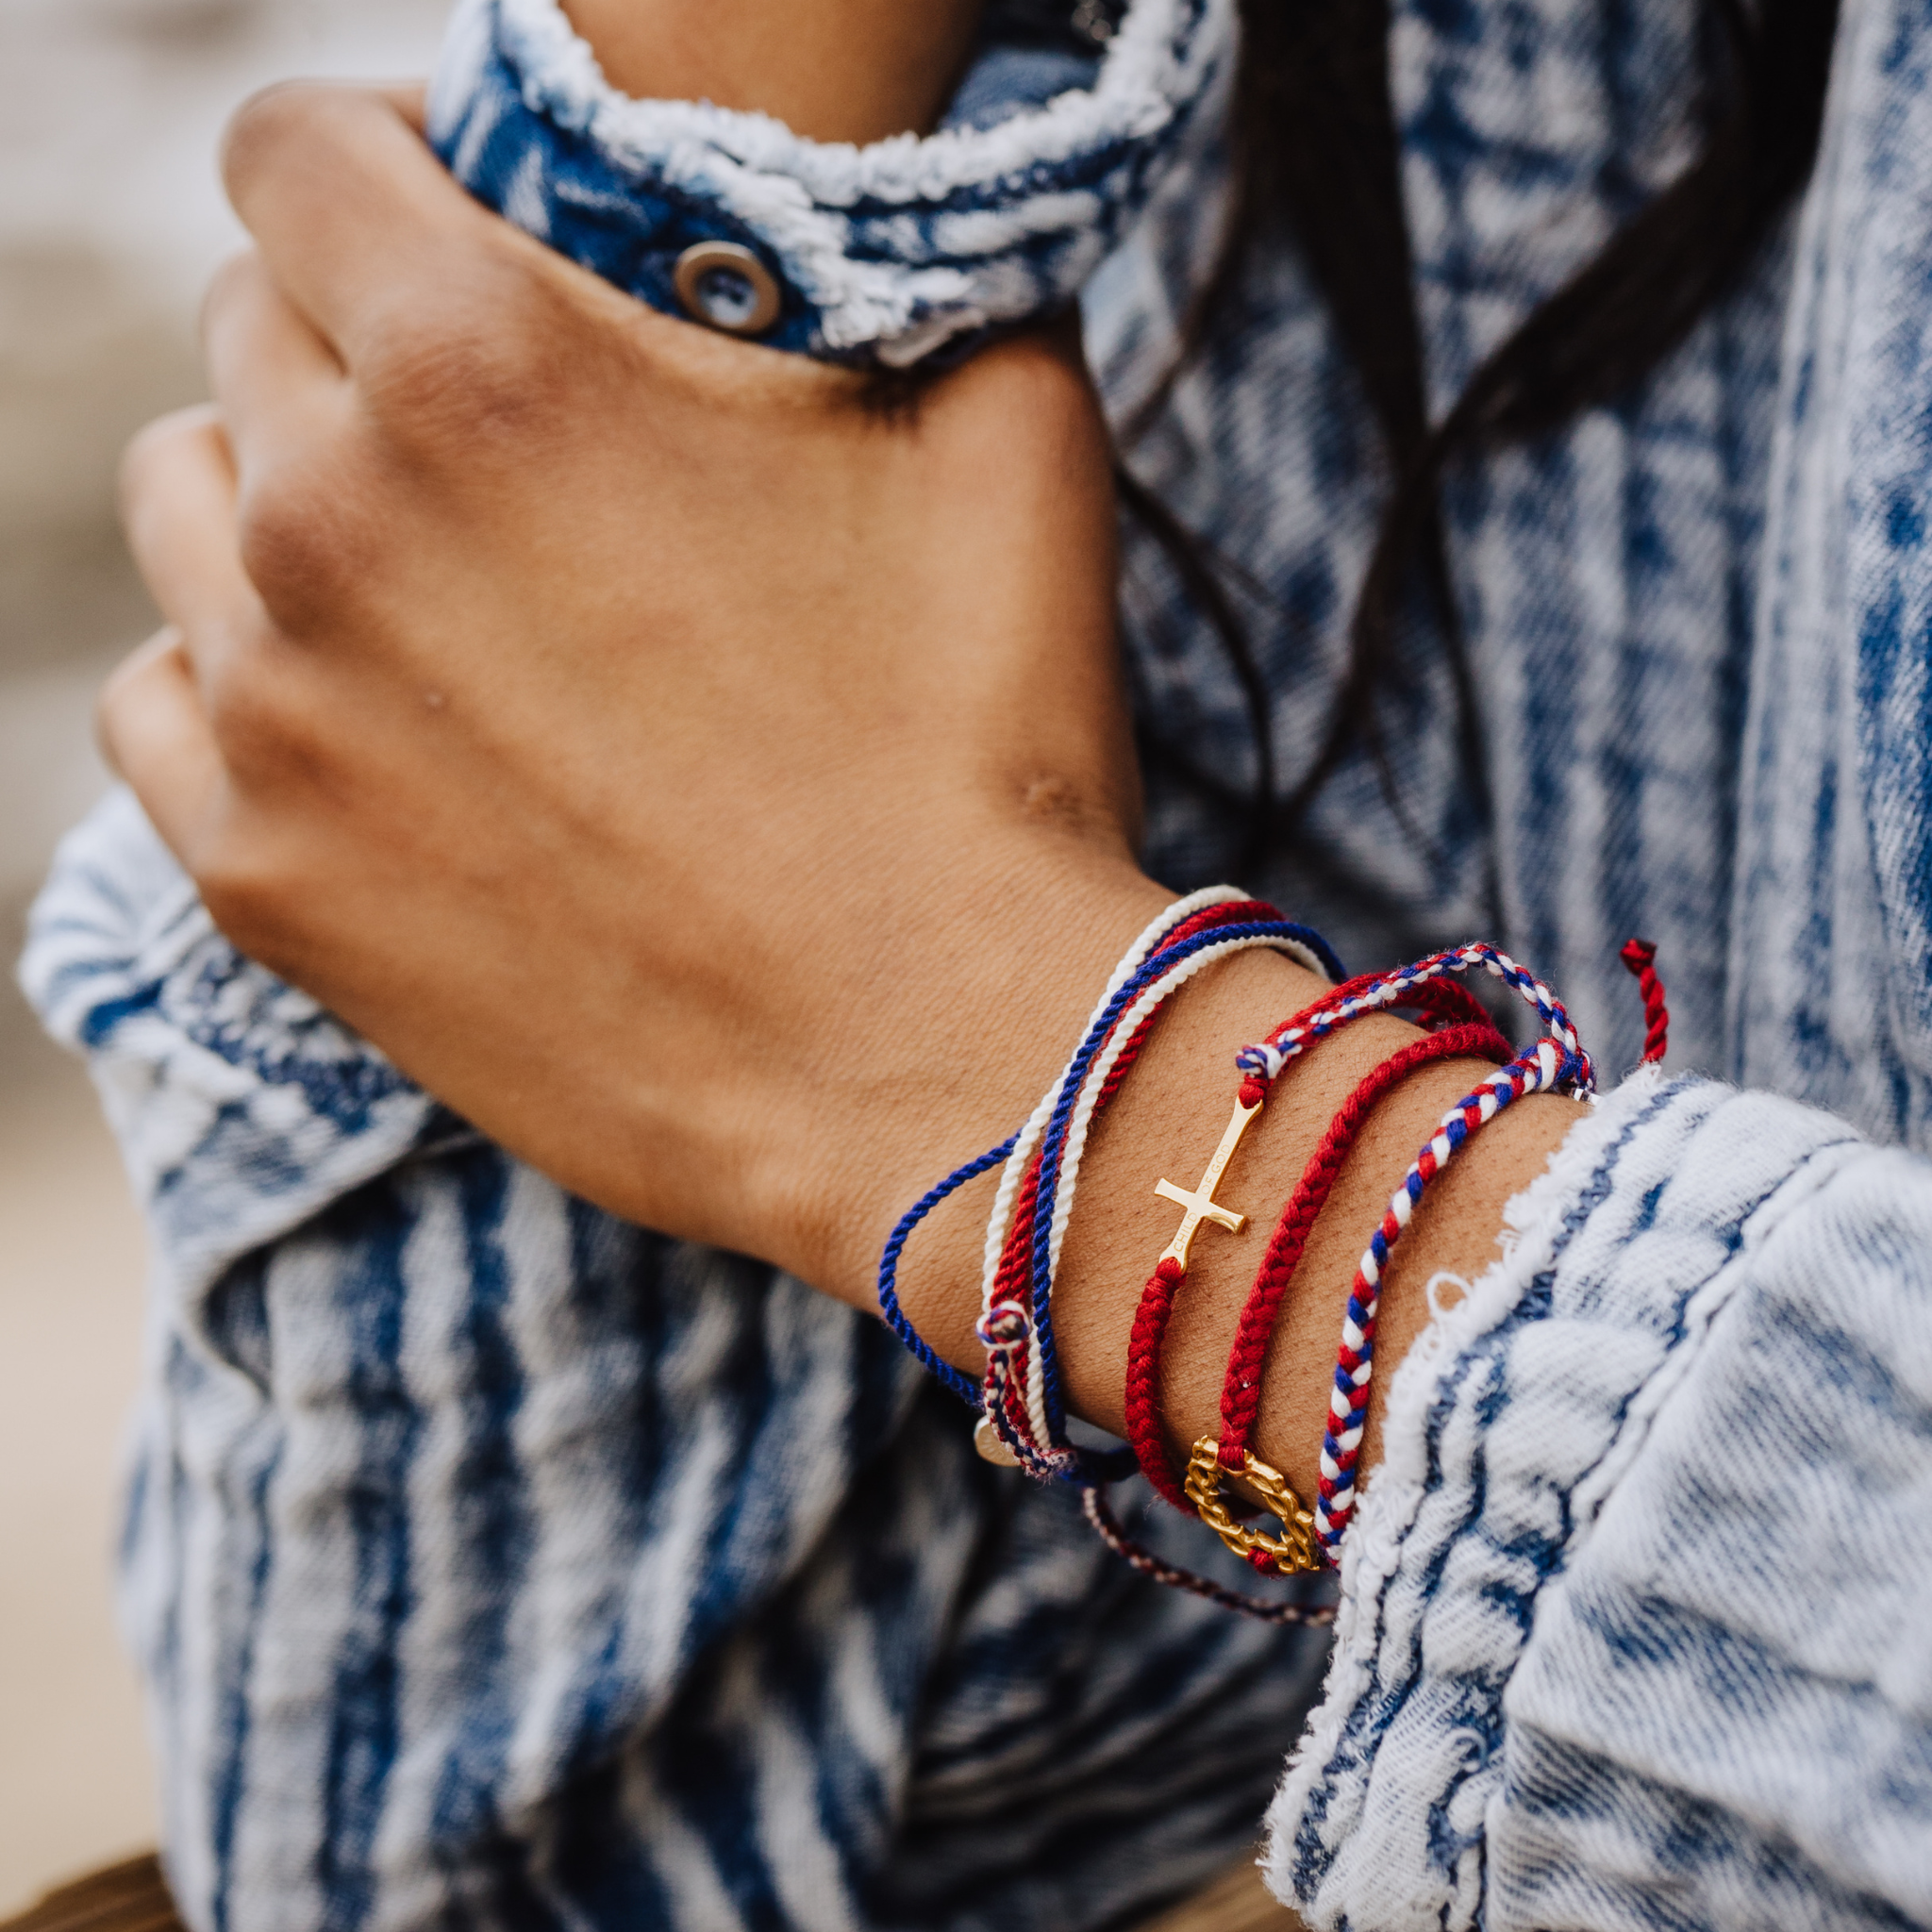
column 883, row 253
column 1508, row 1425
column 242, row 1107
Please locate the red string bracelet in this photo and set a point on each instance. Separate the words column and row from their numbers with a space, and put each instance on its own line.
column 1467, row 1032
column 1443, row 1000
column 1241, row 1394
column 1640, row 957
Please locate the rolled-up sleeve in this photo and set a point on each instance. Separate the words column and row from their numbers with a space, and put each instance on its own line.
column 1637, row 1626
column 881, row 254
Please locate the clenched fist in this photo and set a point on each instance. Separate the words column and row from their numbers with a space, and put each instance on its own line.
column 709, row 778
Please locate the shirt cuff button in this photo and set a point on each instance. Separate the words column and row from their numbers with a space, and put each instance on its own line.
column 727, row 286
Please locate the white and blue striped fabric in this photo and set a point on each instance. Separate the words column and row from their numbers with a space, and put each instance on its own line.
column 496, row 1564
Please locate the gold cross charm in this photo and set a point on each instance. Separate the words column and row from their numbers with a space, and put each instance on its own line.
column 1201, row 1205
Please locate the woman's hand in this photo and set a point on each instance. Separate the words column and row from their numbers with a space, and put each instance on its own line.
column 714, row 784
column 683, row 765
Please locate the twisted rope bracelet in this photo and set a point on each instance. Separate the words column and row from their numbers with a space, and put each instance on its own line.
column 1017, row 1317
column 1266, row 1060
column 1240, row 1392
column 1187, row 937
column 1014, row 1428
column 1419, row 987
column 1189, row 949
column 1544, row 1069
column 1639, row 956
column 1013, row 1151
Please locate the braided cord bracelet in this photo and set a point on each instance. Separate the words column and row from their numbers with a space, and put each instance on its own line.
column 1022, row 1396
column 1240, row 1392
column 1477, row 1034
column 1554, row 1062
column 1007, row 1433
column 1417, row 987
column 1187, row 937
column 1011, row 1152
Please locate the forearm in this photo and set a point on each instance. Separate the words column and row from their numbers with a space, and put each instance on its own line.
column 832, row 70
column 1166, row 1122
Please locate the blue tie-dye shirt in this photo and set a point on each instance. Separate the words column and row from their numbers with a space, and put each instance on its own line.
column 493, row 1563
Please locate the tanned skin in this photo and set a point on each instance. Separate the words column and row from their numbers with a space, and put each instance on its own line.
column 716, row 789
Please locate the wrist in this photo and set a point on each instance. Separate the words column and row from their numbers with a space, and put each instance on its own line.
column 831, row 70
column 954, row 1045
column 1173, row 1112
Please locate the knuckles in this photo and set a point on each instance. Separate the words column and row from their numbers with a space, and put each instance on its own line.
column 253, row 897
column 262, row 716
column 460, row 343
column 315, row 542
column 290, row 127
column 214, row 832
column 484, row 375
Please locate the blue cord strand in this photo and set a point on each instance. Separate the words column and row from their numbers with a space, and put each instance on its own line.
column 897, row 1320
column 1157, row 963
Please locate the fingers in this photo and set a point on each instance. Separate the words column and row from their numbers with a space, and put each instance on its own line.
column 355, row 216
column 177, row 503
column 153, row 731
column 277, row 382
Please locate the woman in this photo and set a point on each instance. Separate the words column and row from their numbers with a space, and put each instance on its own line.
column 708, row 776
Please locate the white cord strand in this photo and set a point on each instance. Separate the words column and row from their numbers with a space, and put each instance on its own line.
column 1081, row 1119
column 1017, row 1161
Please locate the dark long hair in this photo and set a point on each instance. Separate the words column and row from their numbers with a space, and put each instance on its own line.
column 1316, row 149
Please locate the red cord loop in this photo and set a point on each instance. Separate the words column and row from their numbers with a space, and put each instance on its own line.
column 1242, row 1392
column 1639, row 956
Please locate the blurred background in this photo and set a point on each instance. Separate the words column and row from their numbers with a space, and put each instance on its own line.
column 110, row 221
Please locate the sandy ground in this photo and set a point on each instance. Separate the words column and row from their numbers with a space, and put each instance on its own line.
column 111, row 220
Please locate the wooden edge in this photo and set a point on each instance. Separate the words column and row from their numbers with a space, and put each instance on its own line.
column 131, row 1896
column 1236, row 1902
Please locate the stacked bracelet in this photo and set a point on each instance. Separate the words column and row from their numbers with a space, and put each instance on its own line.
column 1021, row 1400
column 1556, row 1063
column 1023, row 1414
column 1241, row 1392
column 1461, row 1030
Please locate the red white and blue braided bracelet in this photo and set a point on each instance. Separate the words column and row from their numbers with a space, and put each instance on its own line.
column 1020, row 1399
column 1463, row 1031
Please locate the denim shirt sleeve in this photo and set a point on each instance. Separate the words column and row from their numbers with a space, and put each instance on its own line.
column 242, row 1107
column 1635, row 1627
column 882, row 254
column 492, row 1561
